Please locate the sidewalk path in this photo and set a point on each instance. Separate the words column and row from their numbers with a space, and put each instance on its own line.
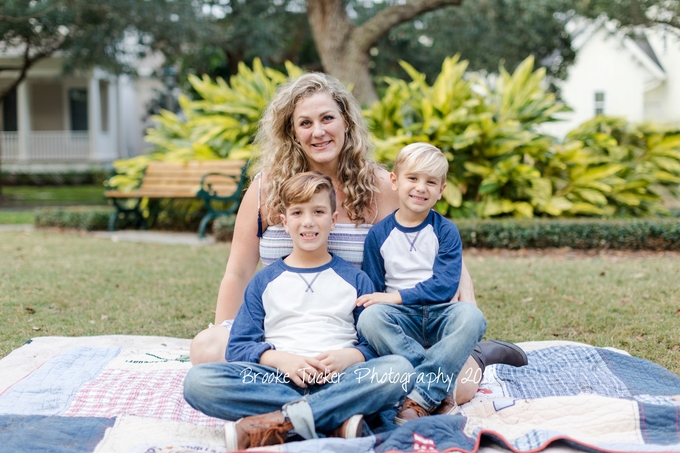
column 154, row 237
column 17, row 227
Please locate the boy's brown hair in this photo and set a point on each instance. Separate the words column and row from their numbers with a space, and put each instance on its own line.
column 303, row 186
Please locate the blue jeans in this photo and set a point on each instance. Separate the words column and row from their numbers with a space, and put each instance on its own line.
column 231, row 391
column 437, row 339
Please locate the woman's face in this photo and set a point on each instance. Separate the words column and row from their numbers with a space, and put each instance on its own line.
column 320, row 129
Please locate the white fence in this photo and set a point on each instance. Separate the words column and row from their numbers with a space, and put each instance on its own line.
column 49, row 146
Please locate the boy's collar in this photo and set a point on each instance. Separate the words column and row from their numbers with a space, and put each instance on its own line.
column 300, row 270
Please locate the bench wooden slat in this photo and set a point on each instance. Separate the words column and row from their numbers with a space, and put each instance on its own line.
column 186, row 180
column 150, row 194
column 192, row 172
column 205, row 168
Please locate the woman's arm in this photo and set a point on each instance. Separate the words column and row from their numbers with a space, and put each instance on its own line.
column 243, row 257
column 387, row 200
column 466, row 292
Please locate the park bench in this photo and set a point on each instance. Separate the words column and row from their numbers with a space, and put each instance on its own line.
column 210, row 181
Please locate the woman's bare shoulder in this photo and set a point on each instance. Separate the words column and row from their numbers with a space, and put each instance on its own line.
column 387, row 199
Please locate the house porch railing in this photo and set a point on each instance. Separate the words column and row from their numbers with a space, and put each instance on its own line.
column 47, row 146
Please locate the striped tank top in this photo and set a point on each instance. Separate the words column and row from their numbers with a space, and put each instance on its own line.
column 345, row 241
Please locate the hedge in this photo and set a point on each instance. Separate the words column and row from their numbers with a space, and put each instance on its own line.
column 223, row 228
column 79, row 217
column 68, row 178
column 620, row 234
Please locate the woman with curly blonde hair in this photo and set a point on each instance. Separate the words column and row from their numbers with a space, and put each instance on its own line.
column 312, row 123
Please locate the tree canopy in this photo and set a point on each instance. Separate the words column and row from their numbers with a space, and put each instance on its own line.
column 110, row 34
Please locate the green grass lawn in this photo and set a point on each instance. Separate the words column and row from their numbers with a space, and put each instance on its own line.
column 55, row 194
column 70, row 284
column 16, row 217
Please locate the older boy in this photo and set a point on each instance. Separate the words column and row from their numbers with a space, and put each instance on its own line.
column 294, row 352
column 414, row 258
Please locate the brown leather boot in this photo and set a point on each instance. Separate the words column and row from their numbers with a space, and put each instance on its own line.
column 350, row 429
column 257, row 431
column 448, row 406
column 410, row 411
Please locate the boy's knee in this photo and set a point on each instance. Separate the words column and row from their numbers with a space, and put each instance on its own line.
column 473, row 315
column 373, row 315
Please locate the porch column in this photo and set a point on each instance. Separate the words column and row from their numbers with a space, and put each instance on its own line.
column 94, row 115
column 23, row 122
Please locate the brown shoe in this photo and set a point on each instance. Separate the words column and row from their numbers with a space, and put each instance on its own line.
column 257, row 431
column 448, row 406
column 350, row 429
column 410, row 411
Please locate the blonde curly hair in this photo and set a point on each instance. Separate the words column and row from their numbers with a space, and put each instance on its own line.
column 281, row 157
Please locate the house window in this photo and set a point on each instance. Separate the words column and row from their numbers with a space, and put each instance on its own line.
column 599, row 103
column 9, row 113
column 77, row 99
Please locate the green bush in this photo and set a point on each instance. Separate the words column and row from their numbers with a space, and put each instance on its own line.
column 220, row 125
column 500, row 162
column 68, row 178
column 617, row 234
column 77, row 217
column 223, row 228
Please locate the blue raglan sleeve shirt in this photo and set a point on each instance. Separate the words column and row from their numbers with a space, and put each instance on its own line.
column 363, row 285
column 374, row 264
column 246, row 340
column 443, row 284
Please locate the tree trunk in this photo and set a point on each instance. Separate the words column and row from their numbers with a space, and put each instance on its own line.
column 23, row 72
column 344, row 47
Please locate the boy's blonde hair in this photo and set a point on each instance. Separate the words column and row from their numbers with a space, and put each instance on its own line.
column 422, row 158
column 303, row 186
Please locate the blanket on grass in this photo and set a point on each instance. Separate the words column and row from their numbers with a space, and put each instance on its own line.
column 116, row 394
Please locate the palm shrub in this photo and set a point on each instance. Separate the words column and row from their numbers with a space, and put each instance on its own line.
column 608, row 166
column 500, row 162
column 220, row 124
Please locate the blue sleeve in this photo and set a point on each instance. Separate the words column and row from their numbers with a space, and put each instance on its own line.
column 374, row 264
column 363, row 286
column 246, row 340
column 443, row 284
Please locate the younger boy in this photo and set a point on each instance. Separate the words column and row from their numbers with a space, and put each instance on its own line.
column 294, row 353
column 414, row 258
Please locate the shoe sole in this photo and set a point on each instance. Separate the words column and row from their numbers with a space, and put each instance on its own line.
column 230, row 436
column 354, row 427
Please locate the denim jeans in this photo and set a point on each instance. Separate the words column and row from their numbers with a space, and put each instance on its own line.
column 231, row 391
column 437, row 339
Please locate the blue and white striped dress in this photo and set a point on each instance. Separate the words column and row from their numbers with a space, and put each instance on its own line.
column 345, row 241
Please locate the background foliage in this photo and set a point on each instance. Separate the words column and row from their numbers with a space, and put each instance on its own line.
column 501, row 164
column 500, row 161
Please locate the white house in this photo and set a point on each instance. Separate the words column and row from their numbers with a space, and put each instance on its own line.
column 57, row 122
column 619, row 75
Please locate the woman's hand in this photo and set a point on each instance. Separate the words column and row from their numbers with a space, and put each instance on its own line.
column 466, row 292
column 337, row 361
column 303, row 371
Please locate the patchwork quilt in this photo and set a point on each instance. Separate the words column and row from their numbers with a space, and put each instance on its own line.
column 114, row 394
